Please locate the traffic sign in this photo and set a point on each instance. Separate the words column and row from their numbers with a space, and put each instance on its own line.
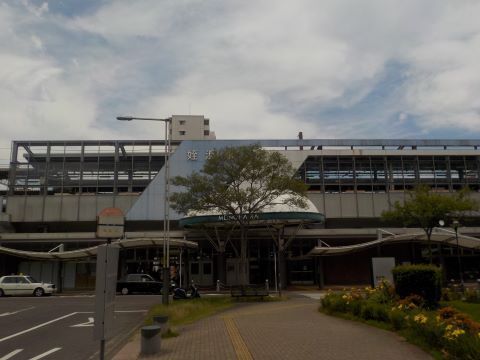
column 110, row 223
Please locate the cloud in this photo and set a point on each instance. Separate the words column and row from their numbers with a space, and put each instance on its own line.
column 265, row 70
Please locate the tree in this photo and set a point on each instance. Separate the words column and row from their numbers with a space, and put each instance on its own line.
column 425, row 208
column 240, row 182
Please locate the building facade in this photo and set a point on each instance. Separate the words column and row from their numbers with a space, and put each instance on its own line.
column 56, row 189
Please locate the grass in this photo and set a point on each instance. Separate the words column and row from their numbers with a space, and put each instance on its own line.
column 472, row 309
column 184, row 312
column 270, row 298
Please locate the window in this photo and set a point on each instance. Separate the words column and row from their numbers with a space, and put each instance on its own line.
column 146, row 278
column 206, row 122
column 134, row 278
column 182, row 132
column 206, row 132
column 9, row 280
column 22, row 280
column 207, row 269
column 194, row 268
column 182, row 122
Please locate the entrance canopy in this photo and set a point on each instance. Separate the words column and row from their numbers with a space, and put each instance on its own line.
column 92, row 251
column 276, row 213
column 464, row 241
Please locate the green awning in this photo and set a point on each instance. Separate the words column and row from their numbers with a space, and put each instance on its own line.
column 254, row 219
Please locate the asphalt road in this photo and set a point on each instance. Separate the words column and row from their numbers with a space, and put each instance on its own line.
column 61, row 327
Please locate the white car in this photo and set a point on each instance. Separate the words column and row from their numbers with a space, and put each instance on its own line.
column 24, row 285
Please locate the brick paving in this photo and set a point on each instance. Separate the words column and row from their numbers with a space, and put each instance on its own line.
column 291, row 329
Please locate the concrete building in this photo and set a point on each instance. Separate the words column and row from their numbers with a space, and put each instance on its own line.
column 56, row 189
column 190, row 127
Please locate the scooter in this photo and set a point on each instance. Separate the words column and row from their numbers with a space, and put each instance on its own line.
column 182, row 294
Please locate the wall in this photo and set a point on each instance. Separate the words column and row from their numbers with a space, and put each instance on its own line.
column 59, row 208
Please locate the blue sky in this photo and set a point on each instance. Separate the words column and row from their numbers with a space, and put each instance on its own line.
column 263, row 69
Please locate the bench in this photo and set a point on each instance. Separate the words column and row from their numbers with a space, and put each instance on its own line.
column 246, row 292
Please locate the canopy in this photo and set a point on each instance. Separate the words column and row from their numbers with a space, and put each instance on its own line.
column 464, row 241
column 277, row 212
column 92, row 251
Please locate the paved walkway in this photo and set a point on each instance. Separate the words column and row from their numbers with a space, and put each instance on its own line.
column 291, row 329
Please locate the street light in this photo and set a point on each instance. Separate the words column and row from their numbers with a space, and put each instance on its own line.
column 455, row 225
column 166, row 203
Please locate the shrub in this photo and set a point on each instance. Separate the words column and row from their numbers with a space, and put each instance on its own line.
column 334, row 303
column 463, row 347
column 371, row 310
column 450, row 295
column 398, row 319
column 472, row 296
column 384, row 293
column 356, row 307
column 422, row 280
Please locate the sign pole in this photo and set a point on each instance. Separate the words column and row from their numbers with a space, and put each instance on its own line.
column 110, row 224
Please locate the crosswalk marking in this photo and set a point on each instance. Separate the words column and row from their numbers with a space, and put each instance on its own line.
column 12, row 354
column 51, row 351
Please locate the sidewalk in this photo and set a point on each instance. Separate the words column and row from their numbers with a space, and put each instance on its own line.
column 291, row 329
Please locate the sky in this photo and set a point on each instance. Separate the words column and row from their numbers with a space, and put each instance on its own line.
column 257, row 69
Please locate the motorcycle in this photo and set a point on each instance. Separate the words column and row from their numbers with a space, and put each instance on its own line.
column 182, row 294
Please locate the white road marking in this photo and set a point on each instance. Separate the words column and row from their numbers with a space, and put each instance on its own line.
column 16, row 312
column 58, row 319
column 45, row 354
column 36, row 327
column 12, row 354
column 90, row 322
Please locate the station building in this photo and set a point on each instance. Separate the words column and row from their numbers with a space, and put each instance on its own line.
column 57, row 188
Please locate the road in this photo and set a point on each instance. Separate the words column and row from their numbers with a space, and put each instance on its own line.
column 61, row 327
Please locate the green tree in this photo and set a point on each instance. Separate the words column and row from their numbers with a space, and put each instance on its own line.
column 238, row 182
column 425, row 208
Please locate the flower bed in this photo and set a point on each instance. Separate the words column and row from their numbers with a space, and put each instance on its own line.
column 445, row 331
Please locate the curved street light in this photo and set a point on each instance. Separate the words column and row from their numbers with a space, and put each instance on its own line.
column 166, row 203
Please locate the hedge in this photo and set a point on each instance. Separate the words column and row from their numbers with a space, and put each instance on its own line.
column 423, row 280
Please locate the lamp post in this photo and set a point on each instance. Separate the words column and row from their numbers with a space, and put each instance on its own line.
column 455, row 225
column 166, row 204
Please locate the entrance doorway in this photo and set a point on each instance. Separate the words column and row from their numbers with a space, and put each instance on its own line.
column 233, row 271
column 201, row 272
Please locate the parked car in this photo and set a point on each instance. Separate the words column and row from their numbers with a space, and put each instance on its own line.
column 24, row 285
column 139, row 283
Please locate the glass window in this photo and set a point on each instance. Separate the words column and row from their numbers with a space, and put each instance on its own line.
column 426, row 172
column 134, row 278
column 378, row 169
column 146, row 278
column 207, row 268
column 194, row 268
column 9, row 280
column 312, row 171
column 22, row 280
